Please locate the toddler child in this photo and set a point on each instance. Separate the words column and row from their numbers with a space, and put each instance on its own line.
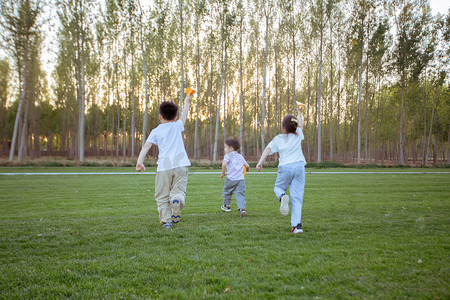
column 234, row 183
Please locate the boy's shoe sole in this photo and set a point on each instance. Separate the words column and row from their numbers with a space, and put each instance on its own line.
column 176, row 211
column 243, row 213
column 284, row 206
column 168, row 225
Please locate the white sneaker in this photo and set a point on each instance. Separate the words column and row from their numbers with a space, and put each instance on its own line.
column 225, row 208
column 297, row 229
column 284, row 206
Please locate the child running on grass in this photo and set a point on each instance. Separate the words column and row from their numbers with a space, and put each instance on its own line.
column 173, row 162
column 234, row 184
column 291, row 168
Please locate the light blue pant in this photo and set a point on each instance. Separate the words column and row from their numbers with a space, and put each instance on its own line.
column 293, row 176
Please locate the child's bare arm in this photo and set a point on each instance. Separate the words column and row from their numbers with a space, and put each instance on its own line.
column 247, row 166
column 300, row 118
column 224, row 168
column 184, row 114
column 263, row 157
column 140, row 162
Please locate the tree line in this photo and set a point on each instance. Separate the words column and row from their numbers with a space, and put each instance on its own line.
column 373, row 76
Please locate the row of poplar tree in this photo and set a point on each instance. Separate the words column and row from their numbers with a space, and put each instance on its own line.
column 373, row 75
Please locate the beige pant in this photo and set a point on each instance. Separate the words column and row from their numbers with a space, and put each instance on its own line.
column 169, row 185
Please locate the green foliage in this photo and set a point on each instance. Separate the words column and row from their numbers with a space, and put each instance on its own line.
column 391, row 37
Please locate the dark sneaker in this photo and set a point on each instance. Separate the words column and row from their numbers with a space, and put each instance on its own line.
column 167, row 225
column 297, row 229
column 176, row 211
column 284, row 206
column 225, row 208
column 242, row 212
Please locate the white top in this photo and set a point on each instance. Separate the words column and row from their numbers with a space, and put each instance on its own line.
column 168, row 138
column 289, row 146
column 235, row 166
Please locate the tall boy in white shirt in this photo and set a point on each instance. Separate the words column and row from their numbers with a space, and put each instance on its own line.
column 173, row 162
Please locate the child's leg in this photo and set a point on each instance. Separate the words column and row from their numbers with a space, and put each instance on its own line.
column 227, row 192
column 297, row 189
column 239, row 194
column 178, row 185
column 162, row 195
column 284, row 178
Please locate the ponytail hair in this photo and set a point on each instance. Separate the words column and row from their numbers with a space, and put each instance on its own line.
column 290, row 124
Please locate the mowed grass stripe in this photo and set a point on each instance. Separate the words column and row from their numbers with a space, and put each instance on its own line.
column 365, row 236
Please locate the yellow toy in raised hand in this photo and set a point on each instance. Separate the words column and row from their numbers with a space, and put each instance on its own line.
column 190, row 91
column 300, row 105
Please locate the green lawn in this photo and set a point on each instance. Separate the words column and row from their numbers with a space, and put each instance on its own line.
column 377, row 236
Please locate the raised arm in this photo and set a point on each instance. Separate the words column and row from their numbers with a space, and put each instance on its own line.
column 300, row 118
column 184, row 114
column 140, row 162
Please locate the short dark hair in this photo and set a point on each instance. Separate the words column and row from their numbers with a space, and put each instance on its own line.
column 168, row 110
column 290, row 124
column 233, row 143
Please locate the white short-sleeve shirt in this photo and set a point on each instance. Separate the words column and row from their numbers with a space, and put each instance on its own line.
column 289, row 146
column 168, row 137
column 235, row 165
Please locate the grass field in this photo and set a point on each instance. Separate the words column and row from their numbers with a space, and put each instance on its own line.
column 379, row 236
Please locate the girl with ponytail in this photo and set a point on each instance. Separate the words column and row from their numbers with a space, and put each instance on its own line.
column 291, row 168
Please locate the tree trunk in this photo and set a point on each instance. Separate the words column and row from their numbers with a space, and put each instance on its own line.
column 377, row 118
column 241, row 97
column 24, row 133
column 124, row 134
column 359, row 106
column 431, row 124
column 196, row 156
column 81, row 117
column 338, row 140
column 22, row 98
column 276, row 93
column 133, row 137
column 144, row 63
column 331, row 96
column 424, row 120
column 107, row 129
column 216, row 136
column 263, row 105
column 367, row 107
column 210, row 106
column 118, row 114
column 181, row 57
column 319, row 121
column 257, row 108
column 400, row 150
column 308, row 141
column 448, row 145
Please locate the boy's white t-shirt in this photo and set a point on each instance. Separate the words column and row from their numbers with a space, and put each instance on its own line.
column 235, row 165
column 289, row 146
column 168, row 137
